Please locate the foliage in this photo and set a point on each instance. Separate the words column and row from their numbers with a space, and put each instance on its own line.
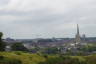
column 25, row 58
column 52, row 50
column 18, row 57
column 88, row 48
column 2, row 44
column 18, row 47
column 64, row 60
column 6, row 60
column 91, row 59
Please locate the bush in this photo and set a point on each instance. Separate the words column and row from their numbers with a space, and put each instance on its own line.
column 18, row 47
column 2, row 44
column 14, row 61
column 18, row 53
column 1, row 57
column 45, row 56
column 64, row 60
column 6, row 60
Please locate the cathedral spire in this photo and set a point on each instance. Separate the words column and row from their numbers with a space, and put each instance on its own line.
column 77, row 29
column 77, row 38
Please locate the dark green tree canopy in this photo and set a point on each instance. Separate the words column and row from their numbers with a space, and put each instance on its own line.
column 2, row 44
column 18, row 47
column 1, row 34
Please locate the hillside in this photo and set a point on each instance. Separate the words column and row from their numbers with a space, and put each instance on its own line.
column 27, row 58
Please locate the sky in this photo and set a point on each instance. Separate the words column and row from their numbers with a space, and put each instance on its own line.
column 26, row 19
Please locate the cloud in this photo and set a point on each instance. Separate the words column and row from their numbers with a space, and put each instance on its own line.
column 47, row 18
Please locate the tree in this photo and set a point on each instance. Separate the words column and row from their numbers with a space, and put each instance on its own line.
column 2, row 44
column 52, row 50
column 18, row 47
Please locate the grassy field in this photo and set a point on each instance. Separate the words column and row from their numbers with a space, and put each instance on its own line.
column 28, row 58
column 25, row 58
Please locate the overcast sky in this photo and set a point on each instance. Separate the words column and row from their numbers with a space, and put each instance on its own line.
column 47, row 18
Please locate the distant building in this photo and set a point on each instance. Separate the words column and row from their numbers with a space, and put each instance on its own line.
column 84, row 37
column 79, row 41
column 76, row 43
column 8, row 48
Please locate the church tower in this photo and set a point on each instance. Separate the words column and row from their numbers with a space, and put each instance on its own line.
column 77, row 38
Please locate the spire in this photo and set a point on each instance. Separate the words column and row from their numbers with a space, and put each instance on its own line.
column 77, row 29
column 77, row 38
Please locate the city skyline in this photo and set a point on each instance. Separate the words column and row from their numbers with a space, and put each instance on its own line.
column 47, row 18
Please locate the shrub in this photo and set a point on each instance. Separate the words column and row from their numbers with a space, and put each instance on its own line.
column 1, row 57
column 18, row 47
column 18, row 53
column 10, row 61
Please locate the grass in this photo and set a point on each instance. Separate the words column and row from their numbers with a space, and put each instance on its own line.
column 28, row 58
column 25, row 58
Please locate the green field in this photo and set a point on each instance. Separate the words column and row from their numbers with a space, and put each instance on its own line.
column 28, row 58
